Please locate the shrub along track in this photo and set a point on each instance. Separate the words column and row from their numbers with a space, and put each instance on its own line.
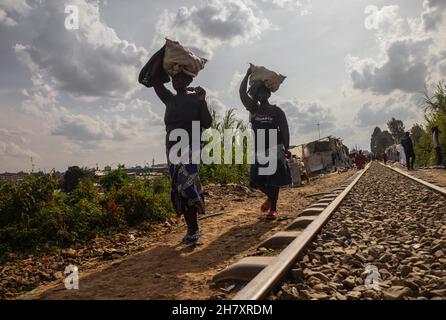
column 168, row 270
column 387, row 222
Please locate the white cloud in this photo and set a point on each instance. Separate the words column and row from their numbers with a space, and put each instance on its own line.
column 405, row 59
column 133, row 120
column 11, row 150
column 433, row 14
column 83, row 128
column 378, row 114
column 212, row 23
column 405, row 68
column 303, row 117
column 236, row 80
column 20, row 135
column 139, row 106
column 90, row 62
column 295, row 5
column 10, row 8
column 4, row 19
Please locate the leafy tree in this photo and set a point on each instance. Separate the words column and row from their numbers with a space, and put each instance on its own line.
column 374, row 141
column 416, row 132
column 380, row 140
column 423, row 150
column 437, row 102
column 385, row 140
column 72, row 177
column 396, row 128
column 435, row 115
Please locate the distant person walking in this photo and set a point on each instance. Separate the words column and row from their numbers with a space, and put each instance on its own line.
column 384, row 157
column 437, row 146
column 360, row 160
column 409, row 151
column 264, row 116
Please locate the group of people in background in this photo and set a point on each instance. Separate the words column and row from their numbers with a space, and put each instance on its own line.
column 407, row 147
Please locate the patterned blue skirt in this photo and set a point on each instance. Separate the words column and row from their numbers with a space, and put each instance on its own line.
column 187, row 191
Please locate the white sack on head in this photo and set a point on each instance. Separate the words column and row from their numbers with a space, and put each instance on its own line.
column 179, row 59
column 271, row 79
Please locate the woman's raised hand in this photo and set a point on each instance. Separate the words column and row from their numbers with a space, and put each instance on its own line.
column 200, row 93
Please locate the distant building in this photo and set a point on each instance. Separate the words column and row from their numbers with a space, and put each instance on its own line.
column 162, row 168
column 19, row 176
column 16, row 177
column 135, row 171
column 323, row 155
column 138, row 171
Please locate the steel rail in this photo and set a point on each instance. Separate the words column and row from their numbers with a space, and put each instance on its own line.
column 425, row 183
column 260, row 286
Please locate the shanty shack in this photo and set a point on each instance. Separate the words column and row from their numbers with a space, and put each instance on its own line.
column 323, row 155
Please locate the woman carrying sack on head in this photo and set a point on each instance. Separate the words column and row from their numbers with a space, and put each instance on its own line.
column 182, row 108
column 265, row 116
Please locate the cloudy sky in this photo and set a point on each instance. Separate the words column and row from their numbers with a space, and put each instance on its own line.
column 71, row 97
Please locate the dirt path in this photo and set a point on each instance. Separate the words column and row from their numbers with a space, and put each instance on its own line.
column 435, row 176
column 168, row 270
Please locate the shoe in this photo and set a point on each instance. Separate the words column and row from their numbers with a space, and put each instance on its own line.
column 266, row 206
column 192, row 238
column 272, row 215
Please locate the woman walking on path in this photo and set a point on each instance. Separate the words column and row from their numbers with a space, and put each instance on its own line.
column 265, row 116
column 182, row 109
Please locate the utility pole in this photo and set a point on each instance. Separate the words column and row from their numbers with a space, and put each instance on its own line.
column 319, row 129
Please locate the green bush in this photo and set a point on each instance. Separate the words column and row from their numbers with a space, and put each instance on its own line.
column 160, row 185
column 85, row 190
column 224, row 174
column 12, row 237
column 140, row 203
column 34, row 215
column 85, row 220
column 72, row 177
column 20, row 202
column 53, row 225
column 115, row 179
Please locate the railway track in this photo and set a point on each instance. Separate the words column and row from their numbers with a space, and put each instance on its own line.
column 380, row 235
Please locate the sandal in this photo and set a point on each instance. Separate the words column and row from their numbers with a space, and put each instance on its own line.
column 272, row 215
column 192, row 238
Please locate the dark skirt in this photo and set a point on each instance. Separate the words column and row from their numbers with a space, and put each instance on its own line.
column 281, row 178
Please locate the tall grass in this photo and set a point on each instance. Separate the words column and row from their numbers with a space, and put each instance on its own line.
column 221, row 173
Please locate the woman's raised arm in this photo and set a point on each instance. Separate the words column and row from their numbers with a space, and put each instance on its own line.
column 246, row 100
column 161, row 91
